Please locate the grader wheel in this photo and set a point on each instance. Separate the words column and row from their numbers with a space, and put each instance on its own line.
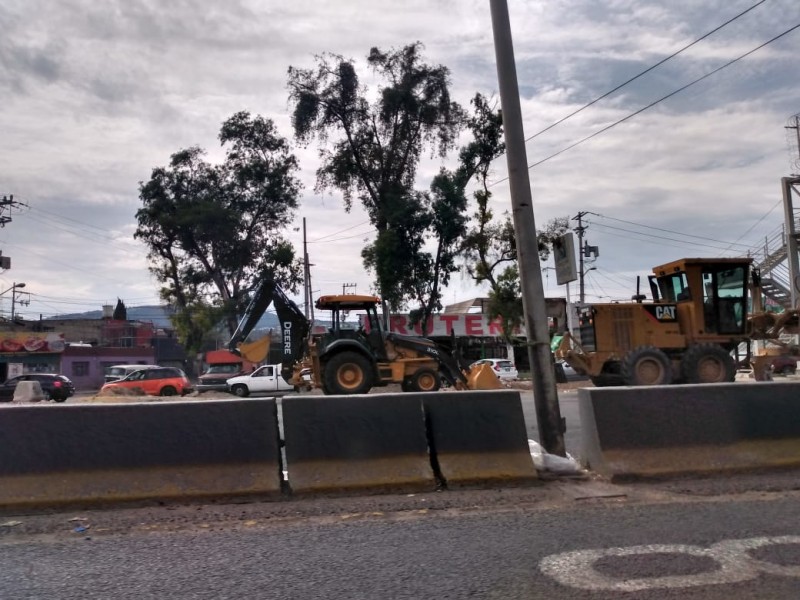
column 646, row 365
column 707, row 363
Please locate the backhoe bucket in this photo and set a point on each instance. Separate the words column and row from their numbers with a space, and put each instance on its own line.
column 483, row 377
column 255, row 352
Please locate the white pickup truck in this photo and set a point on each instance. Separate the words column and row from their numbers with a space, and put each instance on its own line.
column 264, row 380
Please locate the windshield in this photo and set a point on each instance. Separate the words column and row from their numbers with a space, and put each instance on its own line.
column 227, row 368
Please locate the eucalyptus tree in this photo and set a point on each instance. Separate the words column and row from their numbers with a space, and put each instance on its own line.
column 213, row 231
column 371, row 144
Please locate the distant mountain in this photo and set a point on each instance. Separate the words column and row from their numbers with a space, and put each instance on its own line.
column 158, row 316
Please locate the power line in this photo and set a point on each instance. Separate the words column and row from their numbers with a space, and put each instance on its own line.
column 704, row 238
column 659, row 101
column 320, row 239
column 660, row 237
column 754, row 225
column 635, row 77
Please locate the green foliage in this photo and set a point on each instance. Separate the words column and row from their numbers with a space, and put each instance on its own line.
column 371, row 151
column 505, row 300
column 213, row 231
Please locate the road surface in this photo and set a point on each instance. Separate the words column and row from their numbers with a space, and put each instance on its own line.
column 647, row 542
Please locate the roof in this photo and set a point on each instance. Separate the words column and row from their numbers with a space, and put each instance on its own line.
column 346, row 301
column 461, row 308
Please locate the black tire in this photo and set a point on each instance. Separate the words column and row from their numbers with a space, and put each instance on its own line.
column 60, row 399
column 707, row 363
column 610, row 376
column 606, row 380
column 405, row 385
column 646, row 365
column 425, row 380
column 240, row 390
column 168, row 390
column 348, row 373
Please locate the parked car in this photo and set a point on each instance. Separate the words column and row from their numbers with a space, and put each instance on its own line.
column 216, row 377
column 567, row 373
column 266, row 379
column 118, row 372
column 786, row 364
column 503, row 367
column 54, row 387
column 155, row 381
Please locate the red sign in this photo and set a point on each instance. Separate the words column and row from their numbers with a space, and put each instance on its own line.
column 31, row 343
column 462, row 325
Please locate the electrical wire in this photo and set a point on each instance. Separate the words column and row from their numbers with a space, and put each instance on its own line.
column 662, row 99
column 647, row 70
column 704, row 238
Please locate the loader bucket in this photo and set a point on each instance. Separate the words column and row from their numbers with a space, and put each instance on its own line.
column 482, row 377
column 257, row 351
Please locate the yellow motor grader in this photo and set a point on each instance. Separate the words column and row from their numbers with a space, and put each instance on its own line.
column 703, row 311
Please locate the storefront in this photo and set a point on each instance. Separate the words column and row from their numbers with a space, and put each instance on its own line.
column 28, row 352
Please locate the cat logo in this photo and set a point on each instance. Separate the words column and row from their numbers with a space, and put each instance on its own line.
column 664, row 313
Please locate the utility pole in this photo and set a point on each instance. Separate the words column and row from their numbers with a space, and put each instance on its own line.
column 548, row 414
column 796, row 128
column 579, row 230
column 306, row 274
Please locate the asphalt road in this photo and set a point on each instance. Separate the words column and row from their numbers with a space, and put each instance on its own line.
column 740, row 547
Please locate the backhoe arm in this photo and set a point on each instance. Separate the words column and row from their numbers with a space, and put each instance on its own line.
column 294, row 326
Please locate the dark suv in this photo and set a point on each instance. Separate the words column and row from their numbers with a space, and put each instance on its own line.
column 54, row 387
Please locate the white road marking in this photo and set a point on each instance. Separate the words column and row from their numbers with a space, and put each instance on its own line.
column 735, row 564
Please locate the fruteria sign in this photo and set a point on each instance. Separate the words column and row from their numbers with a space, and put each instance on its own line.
column 461, row 325
column 31, row 343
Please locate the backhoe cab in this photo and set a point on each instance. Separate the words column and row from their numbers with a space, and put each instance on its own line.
column 352, row 357
column 697, row 318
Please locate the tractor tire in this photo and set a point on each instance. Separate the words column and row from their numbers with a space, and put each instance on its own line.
column 240, row 390
column 707, row 363
column 425, row 380
column 348, row 373
column 646, row 365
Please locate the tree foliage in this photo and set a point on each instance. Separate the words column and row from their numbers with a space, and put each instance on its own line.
column 214, row 230
column 371, row 152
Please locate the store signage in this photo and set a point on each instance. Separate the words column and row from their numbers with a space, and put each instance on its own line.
column 31, row 343
column 461, row 325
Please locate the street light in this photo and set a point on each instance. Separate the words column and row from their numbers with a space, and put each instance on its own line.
column 13, row 290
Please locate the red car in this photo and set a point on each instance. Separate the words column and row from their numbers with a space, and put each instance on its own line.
column 157, row 381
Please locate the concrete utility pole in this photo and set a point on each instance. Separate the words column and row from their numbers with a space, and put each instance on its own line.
column 548, row 414
column 579, row 230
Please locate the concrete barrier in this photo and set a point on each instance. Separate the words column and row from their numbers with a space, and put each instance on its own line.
column 641, row 432
column 479, row 437
column 28, row 391
column 88, row 454
column 344, row 443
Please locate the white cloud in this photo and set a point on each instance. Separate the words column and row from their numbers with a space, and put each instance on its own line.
column 99, row 93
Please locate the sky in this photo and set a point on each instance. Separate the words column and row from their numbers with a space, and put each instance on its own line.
column 97, row 94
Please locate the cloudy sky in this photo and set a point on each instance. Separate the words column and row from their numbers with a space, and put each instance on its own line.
column 96, row 94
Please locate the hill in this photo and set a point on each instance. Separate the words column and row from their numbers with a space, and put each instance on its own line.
column 157, row 315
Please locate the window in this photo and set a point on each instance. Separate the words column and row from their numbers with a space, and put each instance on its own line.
column 80, row 368
column 674, row 288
